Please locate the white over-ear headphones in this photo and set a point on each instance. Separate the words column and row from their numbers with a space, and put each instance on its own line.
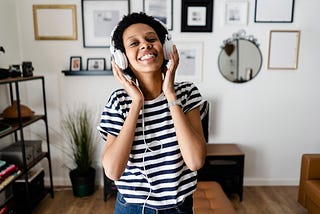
column 121, row 59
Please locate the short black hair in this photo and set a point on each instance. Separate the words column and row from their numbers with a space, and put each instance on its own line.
column 134, row 18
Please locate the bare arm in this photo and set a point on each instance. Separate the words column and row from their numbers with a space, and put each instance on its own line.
column 190, row 136
column 117, row 148
column 188, row 126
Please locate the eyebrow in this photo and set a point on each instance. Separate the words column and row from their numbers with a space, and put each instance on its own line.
column 147, row 34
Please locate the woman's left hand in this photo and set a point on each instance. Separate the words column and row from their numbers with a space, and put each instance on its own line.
column 169, row 75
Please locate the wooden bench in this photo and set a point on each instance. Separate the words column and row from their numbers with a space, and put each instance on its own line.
column 210, row 198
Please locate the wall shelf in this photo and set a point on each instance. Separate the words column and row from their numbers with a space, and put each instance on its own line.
column 86, row 73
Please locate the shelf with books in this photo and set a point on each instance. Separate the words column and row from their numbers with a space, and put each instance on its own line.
column 16, row 131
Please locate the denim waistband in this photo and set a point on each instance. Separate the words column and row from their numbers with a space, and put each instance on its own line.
column 185, row 207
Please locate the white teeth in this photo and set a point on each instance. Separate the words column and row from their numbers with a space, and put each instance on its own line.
column 148, row 56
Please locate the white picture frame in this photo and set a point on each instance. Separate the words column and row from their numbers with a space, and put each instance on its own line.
column 99, row 17
column 190, row 61
column 236, row 12
column 283, row 49
column 161, row 10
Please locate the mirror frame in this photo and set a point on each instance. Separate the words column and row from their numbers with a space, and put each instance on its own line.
column 236, row 37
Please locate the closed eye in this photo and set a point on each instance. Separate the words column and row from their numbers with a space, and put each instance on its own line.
column 133, row 44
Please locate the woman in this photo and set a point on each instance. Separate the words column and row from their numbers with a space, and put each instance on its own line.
column 152, row 127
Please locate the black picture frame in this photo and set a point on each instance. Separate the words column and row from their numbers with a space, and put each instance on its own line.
column 196, row 15
column 99, row 17
column 75, row 63
column 270, row 11
column 96, row 64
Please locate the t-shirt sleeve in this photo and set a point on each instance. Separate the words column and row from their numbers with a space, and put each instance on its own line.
column 112, row 117
column 191, row 99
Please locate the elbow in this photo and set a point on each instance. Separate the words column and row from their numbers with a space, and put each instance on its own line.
column 111, row 172
column 196, row 165
column 112, row 175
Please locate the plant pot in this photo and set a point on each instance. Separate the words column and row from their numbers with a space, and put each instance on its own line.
column 83, row 185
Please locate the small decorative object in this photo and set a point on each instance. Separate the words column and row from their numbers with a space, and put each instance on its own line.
column 79, row 130
column 75, row 63
column 4, row 73
column 14, row 71
column 196, row 16
column 2, row 49
column 27, row 69
column 96, row 64
column 11, row 112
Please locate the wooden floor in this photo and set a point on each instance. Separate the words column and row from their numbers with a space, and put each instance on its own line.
column 256, row 200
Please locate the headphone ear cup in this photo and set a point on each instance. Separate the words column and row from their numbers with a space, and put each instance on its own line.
column 167, row 47
column 120, row 59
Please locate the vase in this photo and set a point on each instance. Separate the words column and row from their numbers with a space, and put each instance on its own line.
column 83, row 185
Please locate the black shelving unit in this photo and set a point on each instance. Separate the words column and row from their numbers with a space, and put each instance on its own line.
column 86, row 73
column 17, row 129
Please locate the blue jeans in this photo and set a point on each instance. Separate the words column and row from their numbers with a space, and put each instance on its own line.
column 122, row 207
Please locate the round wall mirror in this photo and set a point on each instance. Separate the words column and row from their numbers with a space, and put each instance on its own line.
column 240, row 58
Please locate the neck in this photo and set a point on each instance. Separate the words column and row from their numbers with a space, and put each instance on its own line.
column 151, row 87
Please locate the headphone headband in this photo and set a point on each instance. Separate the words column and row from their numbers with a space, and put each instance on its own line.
column 121, row 59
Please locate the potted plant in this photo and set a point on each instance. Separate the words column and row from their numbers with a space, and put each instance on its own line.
column 79, row 129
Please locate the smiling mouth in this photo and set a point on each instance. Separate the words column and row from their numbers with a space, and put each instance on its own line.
column 147, row 57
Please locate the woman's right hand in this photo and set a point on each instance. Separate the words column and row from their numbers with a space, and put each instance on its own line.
column 130, row 86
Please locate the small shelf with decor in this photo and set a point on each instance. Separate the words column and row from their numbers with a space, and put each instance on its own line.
column 87, row 72
column 23, row 156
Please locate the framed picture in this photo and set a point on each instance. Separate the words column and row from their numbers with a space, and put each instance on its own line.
column 96, row 64
column 274, row 11
column 75, row 63
column 161, row 10
column 99, row 17
column 55, row 22
column 236, row 12
column 283, row 49
column 196, row 16
column 190, row 61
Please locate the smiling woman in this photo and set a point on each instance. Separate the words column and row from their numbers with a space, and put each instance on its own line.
column 157, row 140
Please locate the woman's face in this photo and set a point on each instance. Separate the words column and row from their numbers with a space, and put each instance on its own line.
column 143, row 48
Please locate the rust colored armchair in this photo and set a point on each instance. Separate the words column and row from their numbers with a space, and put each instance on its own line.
column 309, row 187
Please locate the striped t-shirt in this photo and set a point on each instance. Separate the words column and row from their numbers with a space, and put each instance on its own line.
column 156, row 174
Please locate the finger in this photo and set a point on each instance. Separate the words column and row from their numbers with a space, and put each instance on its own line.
column 117, row 72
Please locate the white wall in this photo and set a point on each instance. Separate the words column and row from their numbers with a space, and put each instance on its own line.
column 274, row 118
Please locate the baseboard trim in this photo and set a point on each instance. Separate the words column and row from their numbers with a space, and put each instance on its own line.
column 270, row 182
column 247, row 182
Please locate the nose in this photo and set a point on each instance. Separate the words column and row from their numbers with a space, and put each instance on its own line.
column 145, row 45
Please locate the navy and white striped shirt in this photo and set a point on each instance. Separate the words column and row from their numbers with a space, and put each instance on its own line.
column 156, row 174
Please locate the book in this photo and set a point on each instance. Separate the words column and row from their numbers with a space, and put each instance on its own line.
column 9, row 179
column 8, row 171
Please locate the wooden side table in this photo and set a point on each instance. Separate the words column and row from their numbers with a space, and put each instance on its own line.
column 224, row 164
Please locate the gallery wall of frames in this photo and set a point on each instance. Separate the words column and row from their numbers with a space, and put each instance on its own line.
column 99, row 17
